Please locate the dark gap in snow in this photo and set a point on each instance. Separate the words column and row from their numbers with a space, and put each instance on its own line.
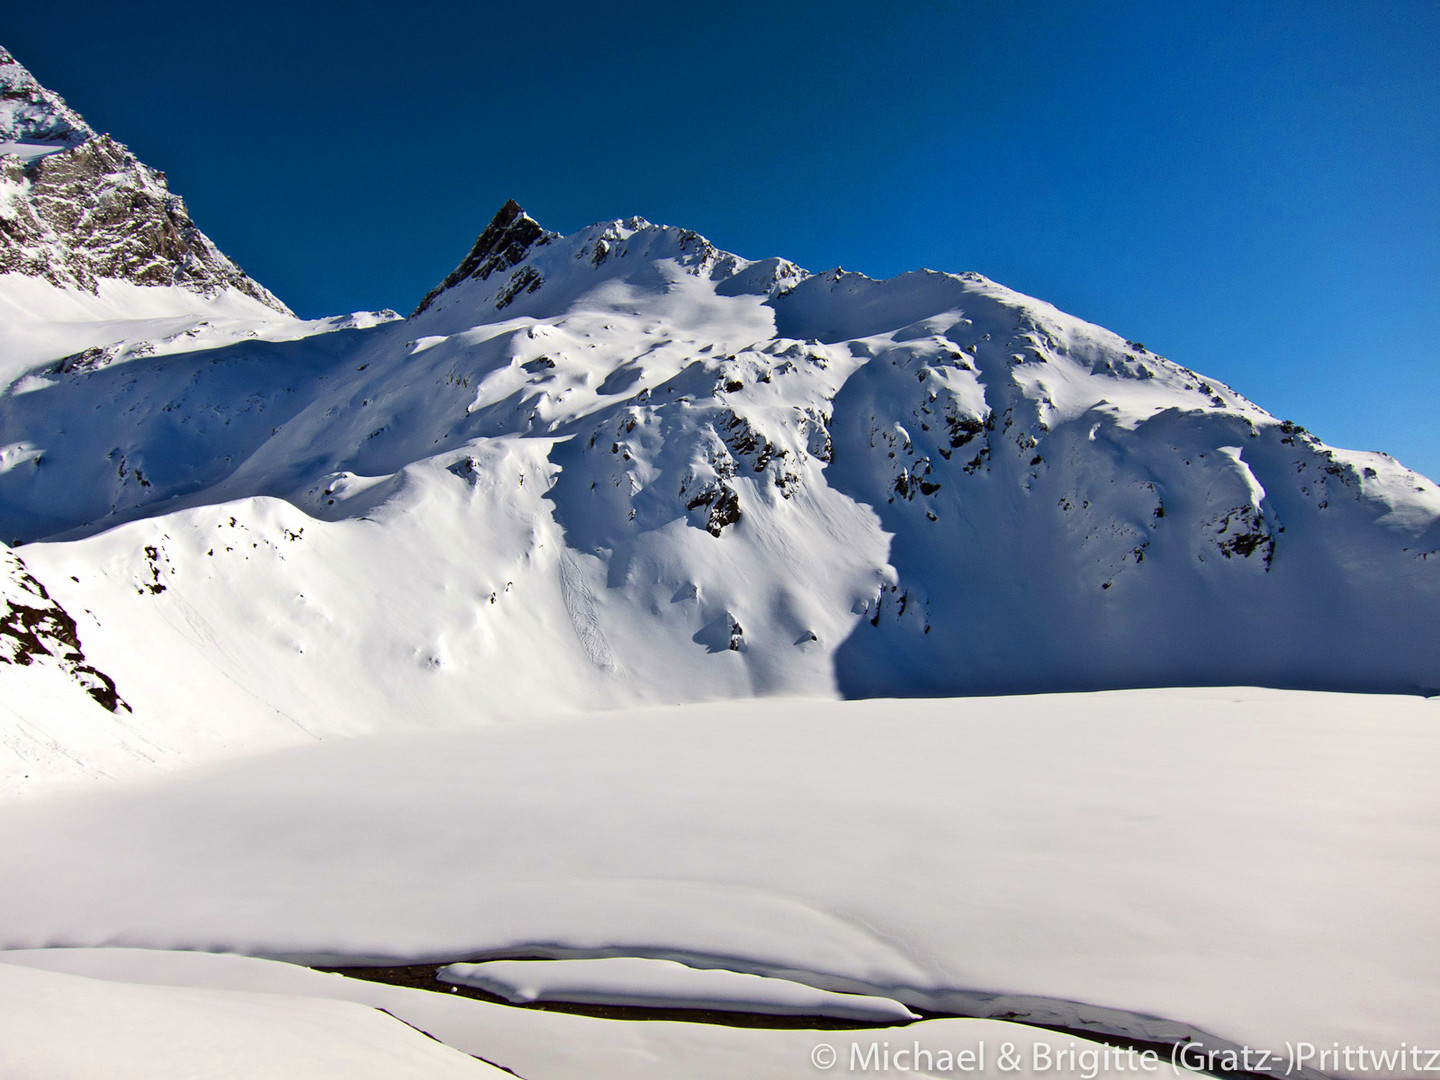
column 422, row 977
column 1087, row 1022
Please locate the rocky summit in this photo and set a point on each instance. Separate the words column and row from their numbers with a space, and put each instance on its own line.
column 77, row 208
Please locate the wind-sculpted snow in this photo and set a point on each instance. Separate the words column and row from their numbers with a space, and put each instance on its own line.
column 1249, row 866
column 526, row 1042
column 624, row 980
column 61, row 1025
column 671, row 473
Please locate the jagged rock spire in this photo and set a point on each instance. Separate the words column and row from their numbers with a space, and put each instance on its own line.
column 505, row 241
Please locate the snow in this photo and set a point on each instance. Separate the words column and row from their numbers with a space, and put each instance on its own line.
column 29, row 151
column 1258, row 866
column 664, row 984
column 573, row 502
column 514, row 636
column 65, row 1026
column 645, row 452
column 41, row 322
column 547, row 1045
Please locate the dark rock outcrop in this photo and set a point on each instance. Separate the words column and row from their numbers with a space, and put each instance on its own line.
column 504, row 242
column 34, row 628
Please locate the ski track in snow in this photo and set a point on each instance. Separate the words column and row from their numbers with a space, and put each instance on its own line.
column 580, row 606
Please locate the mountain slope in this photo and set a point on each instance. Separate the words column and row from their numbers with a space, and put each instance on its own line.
column 617, row 467
column 624, row 466
column 77, row 208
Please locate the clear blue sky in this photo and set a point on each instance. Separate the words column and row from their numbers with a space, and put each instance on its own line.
column 1252, row 189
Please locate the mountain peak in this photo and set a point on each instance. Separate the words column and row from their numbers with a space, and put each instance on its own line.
column 34, row 121
column 64, row 184
column 503, row 243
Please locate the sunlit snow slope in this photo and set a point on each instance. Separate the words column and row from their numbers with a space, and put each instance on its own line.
column 624, row 466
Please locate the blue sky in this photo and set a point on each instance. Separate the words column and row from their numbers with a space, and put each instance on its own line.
column 1250, row 189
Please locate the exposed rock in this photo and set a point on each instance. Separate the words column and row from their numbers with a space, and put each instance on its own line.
column 88, row 210
column 504, row 242
column 34, row 628
column 526, row 280
column 29, row 113
column 724, row 505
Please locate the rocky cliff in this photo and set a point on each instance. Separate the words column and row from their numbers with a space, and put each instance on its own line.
column 77, row 208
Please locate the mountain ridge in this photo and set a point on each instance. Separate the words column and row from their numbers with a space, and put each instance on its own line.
column 625, row 467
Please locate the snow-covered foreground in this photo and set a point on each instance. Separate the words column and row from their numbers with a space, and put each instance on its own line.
column 1256, row 866
column 63, row 1026
column 531, row 1045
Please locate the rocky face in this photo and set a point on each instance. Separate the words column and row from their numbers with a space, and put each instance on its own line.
column 77, row 207
column 35, row 629
column 503, row 244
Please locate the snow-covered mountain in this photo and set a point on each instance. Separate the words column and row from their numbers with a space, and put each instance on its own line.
column 624, row 466
column 78, row 211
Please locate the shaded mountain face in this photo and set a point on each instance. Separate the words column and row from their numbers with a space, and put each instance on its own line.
column 77, row 208
column 623, row 466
